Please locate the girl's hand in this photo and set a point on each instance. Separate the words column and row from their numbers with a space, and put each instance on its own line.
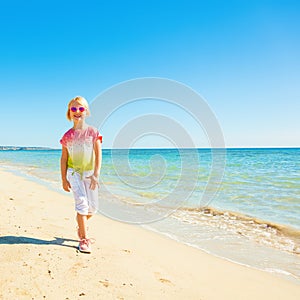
column 66, row 185
column 94, row 182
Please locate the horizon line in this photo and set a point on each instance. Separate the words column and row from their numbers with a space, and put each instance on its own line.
column 15, row 148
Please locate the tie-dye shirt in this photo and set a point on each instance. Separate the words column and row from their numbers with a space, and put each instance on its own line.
column 80, row 145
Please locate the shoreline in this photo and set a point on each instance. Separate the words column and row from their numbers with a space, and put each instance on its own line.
column 39, row 257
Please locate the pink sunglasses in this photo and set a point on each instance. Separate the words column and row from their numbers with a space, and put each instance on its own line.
column 74, row 109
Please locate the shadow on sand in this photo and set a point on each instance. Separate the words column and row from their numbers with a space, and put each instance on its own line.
column 12, row 240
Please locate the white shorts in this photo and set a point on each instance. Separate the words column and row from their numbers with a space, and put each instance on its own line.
column 86, row 200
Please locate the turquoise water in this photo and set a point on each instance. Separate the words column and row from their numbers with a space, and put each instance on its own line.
column 255, row 205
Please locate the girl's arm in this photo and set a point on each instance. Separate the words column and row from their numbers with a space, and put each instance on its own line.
column 63, row 169
column 98, row 160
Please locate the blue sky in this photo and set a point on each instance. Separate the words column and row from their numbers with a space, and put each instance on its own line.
column 241, row 56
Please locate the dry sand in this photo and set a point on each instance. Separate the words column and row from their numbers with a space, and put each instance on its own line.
column 39, row 259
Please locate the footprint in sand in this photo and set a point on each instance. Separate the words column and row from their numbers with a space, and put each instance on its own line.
column 105, row 282
column 161, row 279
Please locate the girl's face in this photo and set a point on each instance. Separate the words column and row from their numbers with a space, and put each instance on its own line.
column 77, row 111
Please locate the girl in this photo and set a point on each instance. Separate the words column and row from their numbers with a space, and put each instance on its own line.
column 80, row 166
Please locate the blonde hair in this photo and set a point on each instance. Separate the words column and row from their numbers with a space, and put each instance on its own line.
column 82, row 101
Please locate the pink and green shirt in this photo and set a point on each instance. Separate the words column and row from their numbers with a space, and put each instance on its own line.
column 80, row 145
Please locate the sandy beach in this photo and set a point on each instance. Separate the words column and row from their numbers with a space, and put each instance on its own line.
column 39, row 259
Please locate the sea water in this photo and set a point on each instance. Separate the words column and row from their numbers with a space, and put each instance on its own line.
column 252, row 217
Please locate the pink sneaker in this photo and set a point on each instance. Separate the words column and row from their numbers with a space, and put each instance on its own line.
column 85, row 246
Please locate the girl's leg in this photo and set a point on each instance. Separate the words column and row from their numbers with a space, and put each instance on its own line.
column 82, row 220
column 85, row 243
column 80, row 232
